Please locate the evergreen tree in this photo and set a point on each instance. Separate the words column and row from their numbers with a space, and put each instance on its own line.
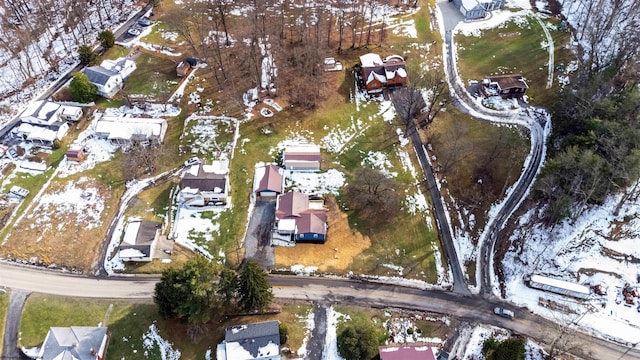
column 254, row 289
column 81, row 89
column 188, row 293
column 107, row 39
column 87, row 55
column 228, row 285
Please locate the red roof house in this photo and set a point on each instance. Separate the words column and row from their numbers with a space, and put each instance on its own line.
column 406, row 352
column 271, row 183
column 295, row 216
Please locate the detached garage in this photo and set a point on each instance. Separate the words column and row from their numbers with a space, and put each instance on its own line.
column 271, row 182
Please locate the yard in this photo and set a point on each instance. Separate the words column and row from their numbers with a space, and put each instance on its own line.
column 155, row 77
column 519, row 46
column 137, row 332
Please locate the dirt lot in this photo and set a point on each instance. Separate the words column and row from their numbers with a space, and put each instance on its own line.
column 342, row 245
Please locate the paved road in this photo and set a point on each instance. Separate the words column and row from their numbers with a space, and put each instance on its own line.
column 468, row 308
column 529, row 117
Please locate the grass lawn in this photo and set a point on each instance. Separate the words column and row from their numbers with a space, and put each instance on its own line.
column 4, row 305
column 155, row 77
column 128, row 323
column 160, row 35
column 514, row 48
column 152, row 204
column 115, row 52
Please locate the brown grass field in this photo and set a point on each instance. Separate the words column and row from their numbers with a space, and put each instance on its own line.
column 343, row 244
column 64, row 240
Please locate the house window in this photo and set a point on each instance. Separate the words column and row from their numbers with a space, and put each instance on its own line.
column 315, row 236
column 506, row 91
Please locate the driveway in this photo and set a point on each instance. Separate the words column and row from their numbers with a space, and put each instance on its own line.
column 257, row 241
column 12, row 325
column 451, row 15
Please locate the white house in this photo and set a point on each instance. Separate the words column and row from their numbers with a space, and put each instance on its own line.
column 70, row 113
column 75, row 342
column 122, row 65
column 124, row 129
column 43, row 135
column 41, row 112
column 108, row 82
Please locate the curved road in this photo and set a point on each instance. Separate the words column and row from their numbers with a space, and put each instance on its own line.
column 529, row 117
column 472, row 309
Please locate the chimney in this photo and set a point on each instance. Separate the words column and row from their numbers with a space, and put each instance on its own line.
column 93, row 352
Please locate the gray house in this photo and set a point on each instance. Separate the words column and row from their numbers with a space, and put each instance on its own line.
column 75, row 342
column 108, row 82
column 477, row 9
column 252, row 341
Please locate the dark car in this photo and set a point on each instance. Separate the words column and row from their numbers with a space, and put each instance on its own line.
column 144, row 21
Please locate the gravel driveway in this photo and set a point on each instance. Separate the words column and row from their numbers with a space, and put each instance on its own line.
column 257, row 242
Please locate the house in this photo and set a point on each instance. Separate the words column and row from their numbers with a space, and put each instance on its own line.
column 270, row 181
column 124, row 129
column 185, row 66
column 75, row 342
column 43, row 135
column 70, row 113
column 303, row 157
column 477, row 9
column 506, row 86
column 377, row 73
column 122, row 66
column 139, row 240
column 301, row 218
column 75, row 155
column 406, row 352
column 42, row 113
column 108, row 82
column 206, row 184
column 251, row 341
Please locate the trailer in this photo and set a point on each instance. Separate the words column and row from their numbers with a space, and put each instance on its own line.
column 558, row 286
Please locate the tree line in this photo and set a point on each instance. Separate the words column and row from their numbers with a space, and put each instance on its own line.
column 594, row 148
column 200, row 289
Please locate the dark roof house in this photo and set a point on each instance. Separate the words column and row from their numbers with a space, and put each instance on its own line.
column 477, row 9
column 206, row 183
column 251, row 341
column 108, row 82
column 506, row 86
column 75, row 342
column 139, row 238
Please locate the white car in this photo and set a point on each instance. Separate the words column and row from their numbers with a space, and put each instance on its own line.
column 133, row 31
column 192, row 161
column 503, row 312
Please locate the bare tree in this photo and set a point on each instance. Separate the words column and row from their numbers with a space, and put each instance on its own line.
column 373, row 195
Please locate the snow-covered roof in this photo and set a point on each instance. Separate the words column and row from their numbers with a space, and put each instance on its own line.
column 560, row 284
column 374, row 75
column 370, row 59
column 75, row 342
column 131, row 253
column 131, row 232
column 252, row 341
column 287, row 225
column 126, row 127
column 470, row 4
column 40, row 112
column 122, row 65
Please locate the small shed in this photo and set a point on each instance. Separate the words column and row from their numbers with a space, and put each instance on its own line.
column 302, row 157
column 75, row 155
column 185, row 66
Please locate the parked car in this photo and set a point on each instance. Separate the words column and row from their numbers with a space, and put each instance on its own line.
column 12, row 154
column 144, row 21
column 133, row 31
column 192, row 161
column 503, row 312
